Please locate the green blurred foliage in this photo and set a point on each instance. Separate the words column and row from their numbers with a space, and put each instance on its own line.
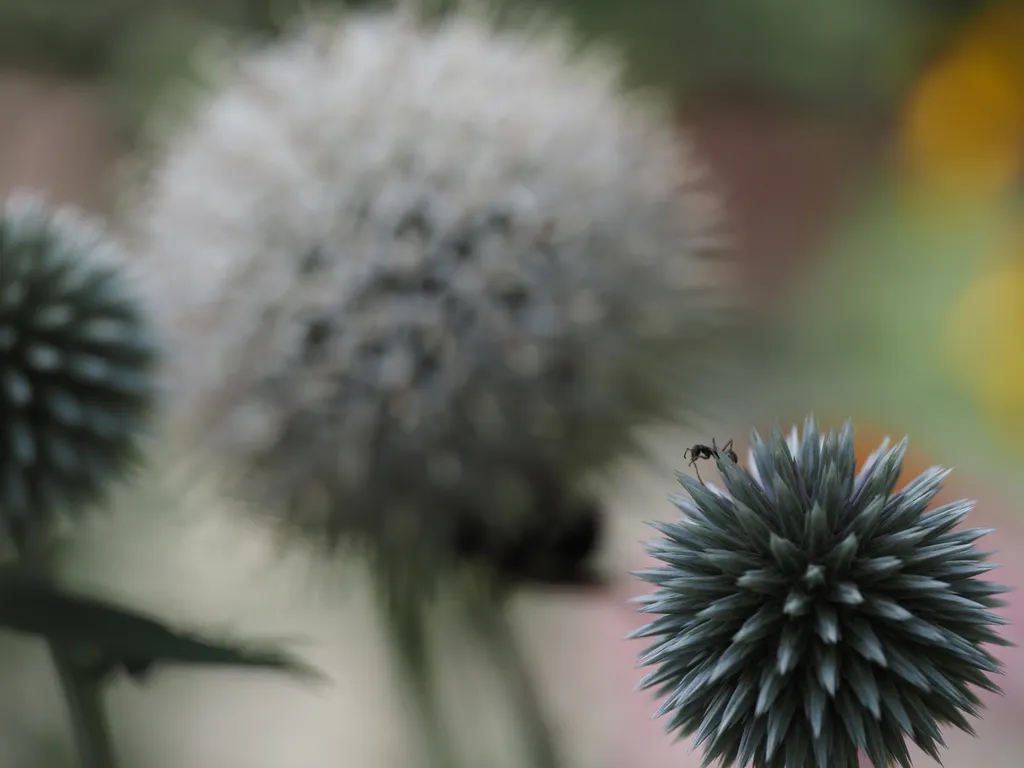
column 867, row 331
column 63, row 35
column 830, row 53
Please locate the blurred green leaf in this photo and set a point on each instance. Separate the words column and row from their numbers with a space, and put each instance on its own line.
column 119, row 639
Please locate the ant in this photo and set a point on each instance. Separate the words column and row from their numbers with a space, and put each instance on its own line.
column 700, row 451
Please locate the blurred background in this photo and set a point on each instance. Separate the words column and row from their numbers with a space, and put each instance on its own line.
column 871, row 157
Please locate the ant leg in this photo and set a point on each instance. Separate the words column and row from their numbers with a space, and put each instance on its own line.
column 698, row 474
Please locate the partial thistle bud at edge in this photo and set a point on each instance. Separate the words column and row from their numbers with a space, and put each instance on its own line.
column 75, row 363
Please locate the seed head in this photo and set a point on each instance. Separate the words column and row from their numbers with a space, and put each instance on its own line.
column 808, row 612
column 75, row 358
column 416, row 272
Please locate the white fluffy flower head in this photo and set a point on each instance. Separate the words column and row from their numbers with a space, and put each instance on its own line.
column 414, row 267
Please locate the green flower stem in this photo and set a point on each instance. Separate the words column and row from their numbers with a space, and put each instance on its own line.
column 84, row 696
column 406, row 626
column 81, row 686
column 488, row 612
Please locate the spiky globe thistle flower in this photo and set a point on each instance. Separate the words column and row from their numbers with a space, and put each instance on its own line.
column 75, row 359
column 421, row 278
column 809, row 612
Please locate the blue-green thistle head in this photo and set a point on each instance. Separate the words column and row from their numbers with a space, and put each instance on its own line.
column 809, row 613
column 75, row 359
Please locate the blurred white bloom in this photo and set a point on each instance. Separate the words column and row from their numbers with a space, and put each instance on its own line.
column 418, row 271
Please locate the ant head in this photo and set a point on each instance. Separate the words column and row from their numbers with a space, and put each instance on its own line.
column 733, row 457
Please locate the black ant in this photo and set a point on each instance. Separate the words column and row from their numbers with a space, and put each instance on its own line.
column 700, row 451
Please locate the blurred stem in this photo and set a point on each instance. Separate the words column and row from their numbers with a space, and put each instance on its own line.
column 81, row 686
column 489, row 615
column 83, row 694
column 406, row 625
